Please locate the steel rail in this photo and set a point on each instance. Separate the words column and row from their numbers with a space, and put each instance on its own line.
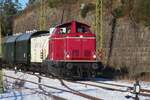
column 143, row 93
column 142, row 90
column 40, row 92
column 72, row 92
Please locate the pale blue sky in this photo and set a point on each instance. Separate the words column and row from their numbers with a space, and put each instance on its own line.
column 23, row 3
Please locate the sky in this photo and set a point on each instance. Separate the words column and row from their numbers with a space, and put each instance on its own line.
column 23, row 3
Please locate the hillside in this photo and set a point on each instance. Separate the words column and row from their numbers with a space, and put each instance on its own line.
column 126, row 28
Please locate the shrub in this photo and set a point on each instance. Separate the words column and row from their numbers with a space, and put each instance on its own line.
column 57, row 3
column 86, row 9
column 142, row 11
column 119, row 12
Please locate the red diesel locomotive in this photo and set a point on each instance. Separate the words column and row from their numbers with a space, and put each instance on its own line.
column 68, row 51
column 72, row 51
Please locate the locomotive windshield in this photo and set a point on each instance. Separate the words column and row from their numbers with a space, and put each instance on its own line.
column 72, row 27
column 81, row 28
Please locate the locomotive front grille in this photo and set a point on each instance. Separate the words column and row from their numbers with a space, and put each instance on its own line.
column 87, row 53
column 75, row 53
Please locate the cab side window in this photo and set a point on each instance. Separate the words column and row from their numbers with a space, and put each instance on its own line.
column 65, row 30
column 60, row 31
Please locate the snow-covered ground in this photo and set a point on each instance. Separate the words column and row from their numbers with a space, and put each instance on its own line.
column 144, row 85
column 31, row 91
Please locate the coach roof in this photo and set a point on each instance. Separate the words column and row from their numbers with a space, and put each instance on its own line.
column 11, row 39
column 27, row 36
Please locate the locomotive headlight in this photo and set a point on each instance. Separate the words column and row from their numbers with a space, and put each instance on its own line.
column 81, row 36
column 68, row 56
column 94, row 56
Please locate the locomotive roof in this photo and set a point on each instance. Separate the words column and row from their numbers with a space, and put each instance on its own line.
column 27, row 36
column 69, row 23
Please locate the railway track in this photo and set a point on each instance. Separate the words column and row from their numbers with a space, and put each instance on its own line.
column 64, row 90
column 98, row 84
column 41, row 92
column 114, row 87
column 109, row 86
column 119, row 85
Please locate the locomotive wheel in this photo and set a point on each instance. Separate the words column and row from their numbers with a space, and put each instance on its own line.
column 95, row 66
column 69, row 66
column 66, row 70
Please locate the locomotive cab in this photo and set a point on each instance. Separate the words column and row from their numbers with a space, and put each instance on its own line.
column 73, row 46
column 73, row 42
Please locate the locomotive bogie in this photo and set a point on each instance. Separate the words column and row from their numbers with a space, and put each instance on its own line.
column 73, row 70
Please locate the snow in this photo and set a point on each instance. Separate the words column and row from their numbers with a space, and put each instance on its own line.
column 22, row 93
column 144, row 85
